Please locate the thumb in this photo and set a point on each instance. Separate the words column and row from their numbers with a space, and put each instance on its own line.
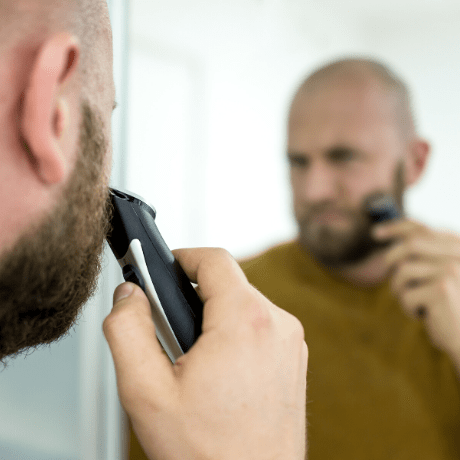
column 144, row 373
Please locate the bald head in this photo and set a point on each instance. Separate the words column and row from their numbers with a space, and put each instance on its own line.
column 26, row 23
column 34, row 16
column 363, row 75
column 350, row 136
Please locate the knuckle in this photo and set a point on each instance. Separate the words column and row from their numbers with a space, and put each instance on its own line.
column 217, row 257
column 260, row 317
column 221, row 253
column 119, row 319
column 264, row 319
column 258, row 310
column 109, row 324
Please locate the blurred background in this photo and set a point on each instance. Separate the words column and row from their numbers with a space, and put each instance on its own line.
column 203, row 91
column 209, row 87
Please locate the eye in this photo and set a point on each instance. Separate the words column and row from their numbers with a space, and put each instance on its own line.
column 298, row 161
column 342, row 154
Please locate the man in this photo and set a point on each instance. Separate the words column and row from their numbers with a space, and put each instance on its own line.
column 56, row 100
column 380, row 305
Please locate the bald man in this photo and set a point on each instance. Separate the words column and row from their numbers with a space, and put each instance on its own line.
column 56, row 99
column 380, row 305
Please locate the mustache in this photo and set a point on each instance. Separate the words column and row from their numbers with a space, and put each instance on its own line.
column 311, row 211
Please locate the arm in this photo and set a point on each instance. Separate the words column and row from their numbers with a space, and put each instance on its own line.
column 240, row 391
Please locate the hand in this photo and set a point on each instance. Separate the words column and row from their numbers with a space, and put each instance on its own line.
column 425, row 275
column 238, row 393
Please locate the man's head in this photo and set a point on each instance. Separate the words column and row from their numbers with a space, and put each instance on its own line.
column 56, row 100
column 350, row 134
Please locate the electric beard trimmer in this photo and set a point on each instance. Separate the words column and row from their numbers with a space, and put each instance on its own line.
column 380, row 208
column 146, row 260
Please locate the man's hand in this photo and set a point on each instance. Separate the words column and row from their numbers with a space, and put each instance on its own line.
column 239, row 392
column 424, row 269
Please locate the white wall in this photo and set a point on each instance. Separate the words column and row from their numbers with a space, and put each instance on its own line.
column 219, row 75
column 425, row 48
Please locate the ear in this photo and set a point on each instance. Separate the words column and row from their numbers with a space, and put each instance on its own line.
column 416, row 160
column 45, row 115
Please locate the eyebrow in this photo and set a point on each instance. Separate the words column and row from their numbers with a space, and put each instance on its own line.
column 331, row 152
column 338, row 149
column 292, row 153
column 341, row 149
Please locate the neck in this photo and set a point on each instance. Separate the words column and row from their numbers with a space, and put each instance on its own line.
column 369, row 272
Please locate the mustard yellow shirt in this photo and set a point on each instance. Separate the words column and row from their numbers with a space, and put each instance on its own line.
column 377, row 389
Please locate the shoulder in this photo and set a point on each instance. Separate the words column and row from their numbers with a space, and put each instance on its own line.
column 274, row 258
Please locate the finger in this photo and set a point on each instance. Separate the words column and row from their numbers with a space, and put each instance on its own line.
column 140, row 364
column 397, row 254
column 413, row 273
column 398, row 229
column 214, row 270
column 438, row 250
column 224, row 289
column 418, row 301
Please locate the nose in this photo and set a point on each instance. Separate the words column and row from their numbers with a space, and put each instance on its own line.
column 318, row 184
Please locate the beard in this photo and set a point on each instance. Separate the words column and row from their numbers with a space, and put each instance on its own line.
column 338, row 248
column 52, row 270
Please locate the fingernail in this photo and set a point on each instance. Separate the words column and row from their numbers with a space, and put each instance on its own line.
column 122, row 291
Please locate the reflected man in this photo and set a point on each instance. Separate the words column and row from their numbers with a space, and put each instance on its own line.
column 384, row 381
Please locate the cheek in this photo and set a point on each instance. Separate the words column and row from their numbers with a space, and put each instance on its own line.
column 297, row 181
column 299, row 208
column 295, row 190
column 366, row 179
